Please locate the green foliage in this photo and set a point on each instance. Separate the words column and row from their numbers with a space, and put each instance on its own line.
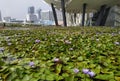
column 94, row 48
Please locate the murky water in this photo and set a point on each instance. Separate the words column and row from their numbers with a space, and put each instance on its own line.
column 16, row 28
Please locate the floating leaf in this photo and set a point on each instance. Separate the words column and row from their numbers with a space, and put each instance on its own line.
column 117, row 78
column 105, row 76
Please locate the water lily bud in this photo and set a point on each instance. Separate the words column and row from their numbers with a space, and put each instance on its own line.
column 76, row 70
column 85, row 71
column 8, row 40
column 37, row 41
column 70, row 49
column 70, row 38
column 7, row 37
column 33, row 66
column 91, row 74
column 57, row 40
column 97, row 39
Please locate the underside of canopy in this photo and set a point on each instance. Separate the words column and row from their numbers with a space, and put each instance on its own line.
column 77, row 5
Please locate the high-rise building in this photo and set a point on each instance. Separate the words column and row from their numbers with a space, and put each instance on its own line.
column 31, row 16
column 0, row 16
column 39, row 14
column 31, row 10
column 47, row 15
column 7, row 19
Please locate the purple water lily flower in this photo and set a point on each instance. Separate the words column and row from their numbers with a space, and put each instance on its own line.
column 70, row 49
column 8, row 39
column 1, row 49
column 117, row 43
column 31, row 63
column 91, row 74
column 67, row 42
column 37, row 41
column 85, row 71
column 9, row 44
column 56, row 59
column 76, row 70
column 113, row 34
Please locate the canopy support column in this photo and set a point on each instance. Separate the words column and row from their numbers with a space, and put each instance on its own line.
column 63, row 12
column 54, row 14
column 83, row 15
column 100, row 16
column 105, row 16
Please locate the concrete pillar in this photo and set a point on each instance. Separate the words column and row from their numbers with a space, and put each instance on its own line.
column 63, row 12
column 100, row 16
column 83, row 15
column 75, row 15
column 54, row 14
column 105, row 16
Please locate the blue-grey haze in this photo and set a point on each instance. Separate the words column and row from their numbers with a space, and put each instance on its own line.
column 18, row 8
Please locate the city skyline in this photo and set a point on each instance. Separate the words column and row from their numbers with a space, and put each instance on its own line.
column 18, row 8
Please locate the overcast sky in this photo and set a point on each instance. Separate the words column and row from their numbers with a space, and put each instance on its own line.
column 18, row 8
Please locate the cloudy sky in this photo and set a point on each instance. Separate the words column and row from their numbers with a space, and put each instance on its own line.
column 18, row 8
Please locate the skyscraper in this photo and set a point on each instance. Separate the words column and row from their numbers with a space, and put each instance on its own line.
column 47, row 15
column 7, row 19
column 31, row 16
column 0, row 16
column 39, row 14
column 31, row 10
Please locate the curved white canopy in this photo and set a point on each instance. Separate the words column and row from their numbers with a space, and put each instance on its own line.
column 76, row 5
